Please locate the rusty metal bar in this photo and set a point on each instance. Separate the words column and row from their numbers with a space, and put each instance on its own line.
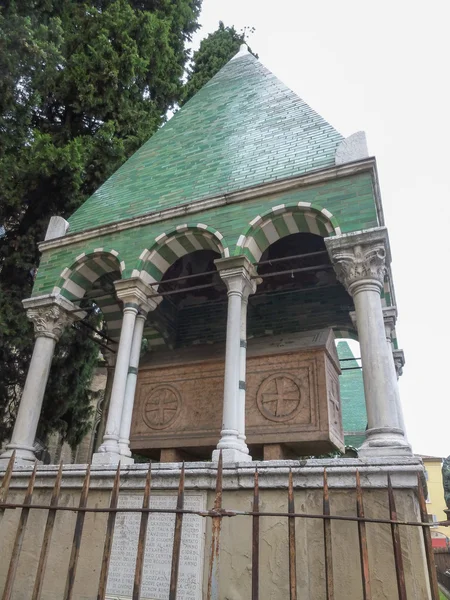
column 177, row 540
column 7, row 478
column 102, row 334
column 255, row 540
column 19, row 537
column 329, row 581
column 101, row 594
column 182, row 277
column 4, row 489
column 432, row 575
column 305, row 255
column 225, row 513
column 47, row 536
column 290, row 271
column 292, row 547
column 142, row 537
column 78, row 532
column 213, row 576
column 184, row 289
column 363, row 552
column 399, row 571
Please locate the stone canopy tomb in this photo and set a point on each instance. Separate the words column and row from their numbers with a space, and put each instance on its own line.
column 225, row 256
column 291, row 399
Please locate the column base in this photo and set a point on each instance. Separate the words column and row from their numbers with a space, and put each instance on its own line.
column 385, row 442
column 111, row 458
column 231, row 455
column 24, row 455
column 124, row 449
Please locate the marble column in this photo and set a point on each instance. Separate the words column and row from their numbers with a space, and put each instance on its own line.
column 390, row 319
column 240, row 278
column 133, row 293
column 243, row 362
column 130, row 388
column 50, row 316
column 360, row 261
column 103, row 406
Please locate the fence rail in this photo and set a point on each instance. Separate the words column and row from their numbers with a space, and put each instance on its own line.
column 216, row 514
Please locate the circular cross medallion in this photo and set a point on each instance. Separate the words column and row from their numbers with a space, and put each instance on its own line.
column 279, row 397
column 161, row 407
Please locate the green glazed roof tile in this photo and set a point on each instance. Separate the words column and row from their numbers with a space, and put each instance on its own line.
column 243, row 128
column 354, row 415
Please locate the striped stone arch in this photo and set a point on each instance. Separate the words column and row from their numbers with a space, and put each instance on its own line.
column 87, row 271
column 172, row 245
column 283, row 220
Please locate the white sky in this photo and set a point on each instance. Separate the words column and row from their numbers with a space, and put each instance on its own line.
column 382, row 67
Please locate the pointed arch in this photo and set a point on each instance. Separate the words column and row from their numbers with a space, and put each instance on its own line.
column 283, row 220
column 172, row 245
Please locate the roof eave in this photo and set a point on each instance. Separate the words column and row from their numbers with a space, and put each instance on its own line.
column 196, row 206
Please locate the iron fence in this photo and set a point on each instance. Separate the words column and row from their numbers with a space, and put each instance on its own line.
column 216, row 514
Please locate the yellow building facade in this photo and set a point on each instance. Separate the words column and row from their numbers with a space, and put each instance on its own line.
column 435, row 500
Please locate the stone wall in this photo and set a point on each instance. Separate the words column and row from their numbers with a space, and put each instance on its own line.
column 234, row 577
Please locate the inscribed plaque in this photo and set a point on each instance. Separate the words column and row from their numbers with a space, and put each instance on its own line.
column 158, row 551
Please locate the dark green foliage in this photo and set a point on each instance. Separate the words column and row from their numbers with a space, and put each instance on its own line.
column 82, row 86
column 214, row 52
column 446, row 480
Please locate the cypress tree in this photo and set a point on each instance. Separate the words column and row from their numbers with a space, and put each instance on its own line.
column 82, row 86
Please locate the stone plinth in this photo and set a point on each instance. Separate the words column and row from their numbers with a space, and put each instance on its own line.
column 292, row 399
column 234, row 567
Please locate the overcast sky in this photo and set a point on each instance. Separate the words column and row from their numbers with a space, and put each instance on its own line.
column 383, row 68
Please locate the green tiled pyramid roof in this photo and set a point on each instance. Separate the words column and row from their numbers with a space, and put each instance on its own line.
column 243, row 128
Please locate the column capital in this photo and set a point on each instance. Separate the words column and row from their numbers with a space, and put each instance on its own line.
column 360, row 258
column 239, row 275
column 51, row 314
column 399, row 361
column 134, row 291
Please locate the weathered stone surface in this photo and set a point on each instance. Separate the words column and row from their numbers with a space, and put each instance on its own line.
column 354, row 147
column 201, row 475
column 57, row 227
column 292, row 397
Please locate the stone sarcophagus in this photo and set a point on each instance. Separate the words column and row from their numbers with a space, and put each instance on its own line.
column 292, row 399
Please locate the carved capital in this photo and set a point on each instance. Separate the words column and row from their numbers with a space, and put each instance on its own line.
column 360, row 263
column 239, row 275
column 136, row 292
column 50, row 321
column 360, row 258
